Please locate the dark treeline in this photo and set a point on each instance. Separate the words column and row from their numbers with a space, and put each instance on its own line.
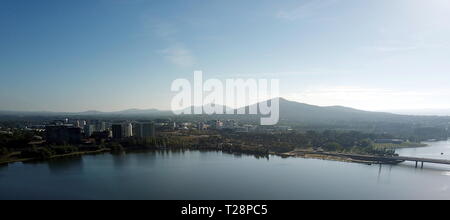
column 17, row 141
column 264, row 143
column 336, row 141
column 414, row 132
column 226, row 141
column 187, row 142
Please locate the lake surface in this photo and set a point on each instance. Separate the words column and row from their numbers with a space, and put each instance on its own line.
column 215, row 175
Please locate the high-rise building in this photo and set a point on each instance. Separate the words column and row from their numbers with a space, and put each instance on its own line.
column 82, row 123
column 89, row 130
column 144, row 130
column 101, row 126
column 128, row 130
column 137, row 130
column 117, row 132
column 148, row 130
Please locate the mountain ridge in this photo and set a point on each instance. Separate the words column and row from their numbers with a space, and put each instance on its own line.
column 289, row 110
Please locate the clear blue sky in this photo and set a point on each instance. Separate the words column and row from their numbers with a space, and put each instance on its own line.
column 76, row 55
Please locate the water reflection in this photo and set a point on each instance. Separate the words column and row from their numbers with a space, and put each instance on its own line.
column 146, row 158
column 214, row 175
column 3, row 169
column 120, row 160
column 384, row 173
column 60, row 166
column 379, row 172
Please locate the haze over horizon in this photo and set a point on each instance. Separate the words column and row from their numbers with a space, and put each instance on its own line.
column 74, row 56
column 411, row 112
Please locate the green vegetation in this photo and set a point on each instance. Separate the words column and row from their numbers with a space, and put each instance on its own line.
column 58, row 150
column 17, row 147
column 114, row 147
column 41, row 153
column 331, row 141
column 3, row 151
column 19, row 139
column 395, row 146
column 47, row 151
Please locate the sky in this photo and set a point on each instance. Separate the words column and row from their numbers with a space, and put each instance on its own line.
column 109, row 55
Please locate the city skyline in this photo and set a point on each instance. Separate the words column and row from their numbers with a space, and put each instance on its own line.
column 116, row 55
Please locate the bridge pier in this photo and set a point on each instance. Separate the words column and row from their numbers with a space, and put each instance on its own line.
column 417, row 164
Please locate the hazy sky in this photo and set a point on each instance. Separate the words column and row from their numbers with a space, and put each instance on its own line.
column 76, row 55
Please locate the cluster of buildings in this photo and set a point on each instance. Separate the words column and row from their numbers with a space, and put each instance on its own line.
column 77, row 131
column 140, row 130
column 230, row 125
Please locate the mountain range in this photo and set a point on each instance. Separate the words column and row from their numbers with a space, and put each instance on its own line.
column 289, row 111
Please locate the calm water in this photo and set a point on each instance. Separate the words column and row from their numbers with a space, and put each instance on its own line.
column 214, row 175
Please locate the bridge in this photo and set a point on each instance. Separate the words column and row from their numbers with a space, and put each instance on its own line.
column 423, row 160
column 378, row 159
column 398, row 159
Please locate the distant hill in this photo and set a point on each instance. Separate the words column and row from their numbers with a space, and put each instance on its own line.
column 138, row 112
column 201, row 109
column 297, row 115
column 27, row 113
column 128, row 112
column 295, row 111
column 290, row 111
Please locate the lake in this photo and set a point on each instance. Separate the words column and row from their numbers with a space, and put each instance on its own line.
column 192, row 175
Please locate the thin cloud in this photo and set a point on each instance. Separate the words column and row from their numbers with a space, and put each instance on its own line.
column 175, row 51
column 179, row 56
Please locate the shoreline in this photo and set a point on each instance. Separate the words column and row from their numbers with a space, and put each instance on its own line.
column 81, row 153
column 306, row 154
column 340, row 157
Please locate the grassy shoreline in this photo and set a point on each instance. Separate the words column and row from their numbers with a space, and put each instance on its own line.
column 8, row 159
column 334, row 156
column 309, row 154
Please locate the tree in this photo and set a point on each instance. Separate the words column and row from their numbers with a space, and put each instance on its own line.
column 3, row 151
column 115, row 147
column 365, row 143
column 332, row 146
column 37, row 153
column 63, row 149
